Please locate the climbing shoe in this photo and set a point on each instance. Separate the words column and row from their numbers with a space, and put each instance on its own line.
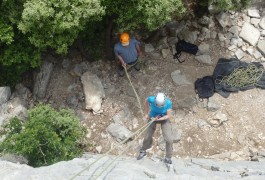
column 121, row 72
column 168, row 160
column 137, row 66
column 141, row 155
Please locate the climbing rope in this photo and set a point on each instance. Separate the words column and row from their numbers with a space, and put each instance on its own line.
column 140, row 131
column 128, row 146
column 242, row 77
column 137, row 97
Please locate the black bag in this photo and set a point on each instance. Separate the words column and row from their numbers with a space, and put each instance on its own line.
column 186, row 47
column 204, row 87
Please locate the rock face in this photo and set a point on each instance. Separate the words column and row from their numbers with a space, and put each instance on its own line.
column 130, row 168
column 93, row 90
column 5, row 94
column 42, row 80
column 250, row 34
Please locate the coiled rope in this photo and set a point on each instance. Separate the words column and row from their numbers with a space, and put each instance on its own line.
column 242, row 76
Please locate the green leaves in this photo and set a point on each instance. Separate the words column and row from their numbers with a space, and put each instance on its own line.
column 152, row 14
column 47, row 136
column 57, row 23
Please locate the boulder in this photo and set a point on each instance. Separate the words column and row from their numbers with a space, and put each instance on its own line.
column 93, row 90
column 250, row 34
column 179, row 78
column 261, row 46
column 119, row 132
column 41, row 80
column 5, row 93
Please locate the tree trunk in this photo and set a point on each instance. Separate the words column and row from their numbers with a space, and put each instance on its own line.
column 108, row 38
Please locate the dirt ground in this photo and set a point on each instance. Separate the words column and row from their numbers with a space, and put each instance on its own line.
column 243, row 131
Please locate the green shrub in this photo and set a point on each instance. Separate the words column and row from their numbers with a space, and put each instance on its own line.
column 47, row 136
column 227, row 4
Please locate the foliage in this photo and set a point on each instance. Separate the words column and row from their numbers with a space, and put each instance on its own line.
column 57, row 23
column 150, row 14
column 227, row 4
column 17, row 55
column 48, row 136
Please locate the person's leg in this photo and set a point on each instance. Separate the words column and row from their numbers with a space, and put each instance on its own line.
column 148, row 140
column 167, row 134
column 121, row 70
column 137, row 66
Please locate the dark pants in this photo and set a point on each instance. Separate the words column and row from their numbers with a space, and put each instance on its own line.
column 167, row 134
column 135, row 64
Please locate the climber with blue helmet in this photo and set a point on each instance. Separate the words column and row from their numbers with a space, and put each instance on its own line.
column 159, row 107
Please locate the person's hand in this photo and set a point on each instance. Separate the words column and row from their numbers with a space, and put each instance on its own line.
column 146, row 117
column 124, row 65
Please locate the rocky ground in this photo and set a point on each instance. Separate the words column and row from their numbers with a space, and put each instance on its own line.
column 226, row 128
column 230, row 128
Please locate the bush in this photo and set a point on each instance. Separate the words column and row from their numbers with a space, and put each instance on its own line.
column 48, row 136
column 227, row 4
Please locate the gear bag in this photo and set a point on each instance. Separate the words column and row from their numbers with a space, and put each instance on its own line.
column 204, row 87
column 186, row 47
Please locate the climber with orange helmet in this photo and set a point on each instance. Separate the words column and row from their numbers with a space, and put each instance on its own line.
column 159, row 107
column 127, row 52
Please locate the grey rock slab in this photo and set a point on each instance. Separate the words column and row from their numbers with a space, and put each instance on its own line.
column 255, row 21
column 221, row 37
column 261, row 46
column 213, row 34
column 41, row 80
column 93, row 90
column 253, row 13
column 188, row 36
column 204, row 59
column 179, row 78
column 165, row 53
column 5, row 93
column 22, row 91
column 250, row 34
column 123, row 116
column 130, row 168
column 172, row 40
column 234, row 30
column 257, row 54
column 203, row 48
column 119, row 132
column 149, row 48
column 174, row 27
column 239, row 54
column 213, row 104
column 223, row 19
column 262, row 23
column 162, row 43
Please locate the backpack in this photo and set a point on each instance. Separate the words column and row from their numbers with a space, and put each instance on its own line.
column 186, row 47
column 204, row 87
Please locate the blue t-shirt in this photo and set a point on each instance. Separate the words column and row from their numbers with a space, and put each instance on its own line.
column 156, row 111
column 129, row 54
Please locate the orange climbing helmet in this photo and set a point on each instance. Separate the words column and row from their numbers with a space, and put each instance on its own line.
column 125, row 39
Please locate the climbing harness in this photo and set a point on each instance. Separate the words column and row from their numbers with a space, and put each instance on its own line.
column 242, row 77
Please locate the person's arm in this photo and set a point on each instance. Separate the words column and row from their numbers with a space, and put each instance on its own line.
column 119, row 56
column 122, row 61
column 167, row 116
column 146, row 108
column 138, row 50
